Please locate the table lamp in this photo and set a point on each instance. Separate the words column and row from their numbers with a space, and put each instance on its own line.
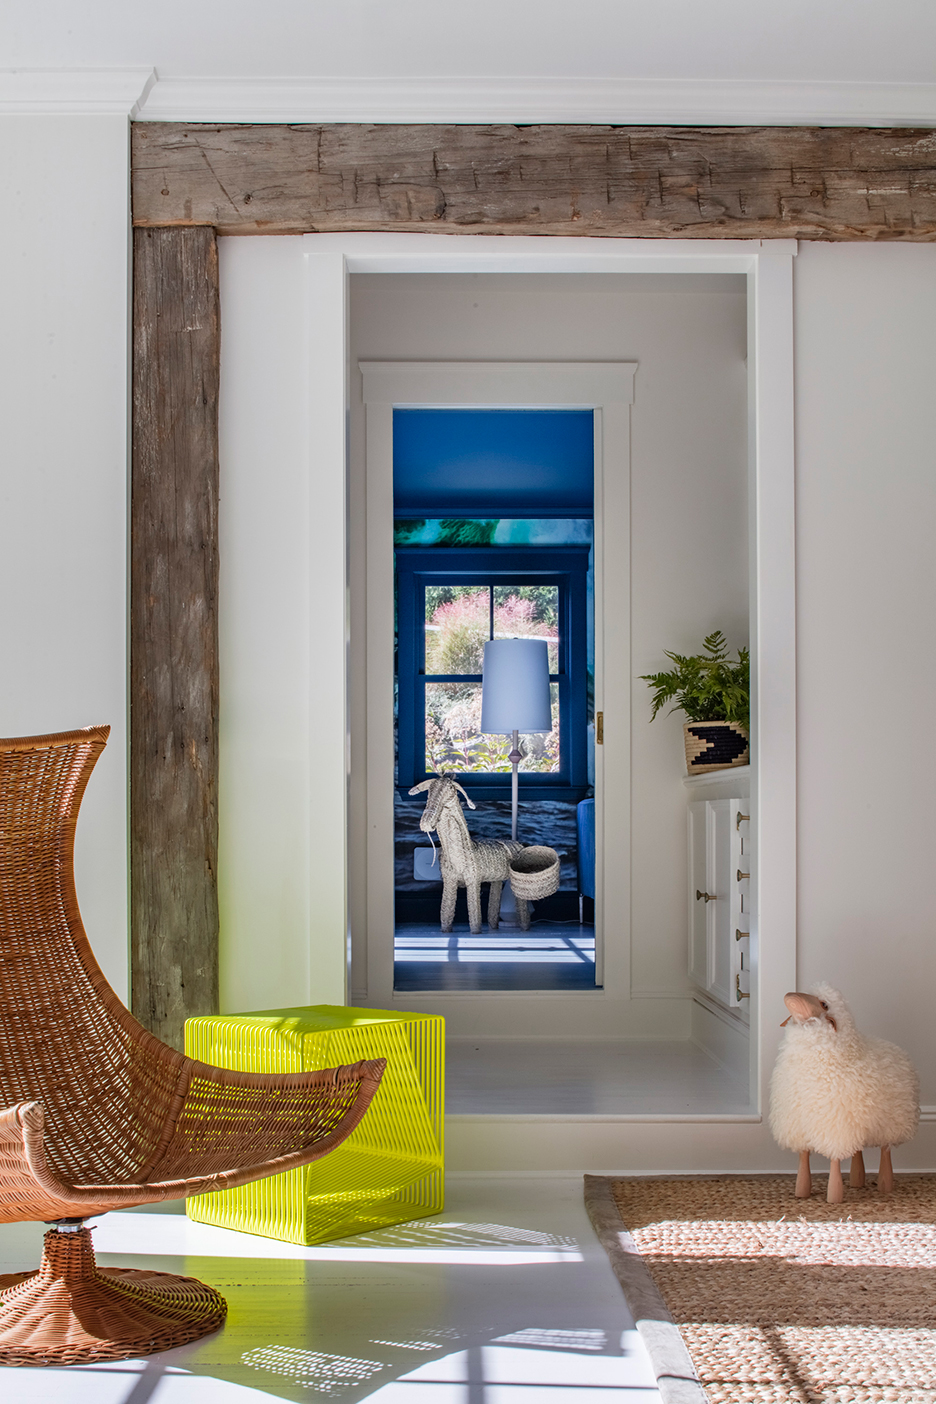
column 515, row 697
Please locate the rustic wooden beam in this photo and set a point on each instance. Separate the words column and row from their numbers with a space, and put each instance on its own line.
column 659, row 182
column 174, row 629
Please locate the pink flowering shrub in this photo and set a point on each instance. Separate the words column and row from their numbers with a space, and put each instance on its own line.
column 455, row 639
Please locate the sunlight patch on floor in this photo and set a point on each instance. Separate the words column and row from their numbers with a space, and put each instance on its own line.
column 510, row 1374
column 505, row 1298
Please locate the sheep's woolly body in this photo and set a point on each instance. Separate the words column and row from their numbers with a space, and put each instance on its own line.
column 834, row 1091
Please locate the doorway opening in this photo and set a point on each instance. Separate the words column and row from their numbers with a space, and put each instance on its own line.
column 671, row 544
column 473, row 565
column 699, row 472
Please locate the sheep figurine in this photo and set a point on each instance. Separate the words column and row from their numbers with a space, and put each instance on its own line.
column 833, row 1091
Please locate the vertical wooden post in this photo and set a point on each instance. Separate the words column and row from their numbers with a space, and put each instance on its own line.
column 174, row 629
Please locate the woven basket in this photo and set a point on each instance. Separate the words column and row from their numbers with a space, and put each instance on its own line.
column 715, row 745
column 534, row 872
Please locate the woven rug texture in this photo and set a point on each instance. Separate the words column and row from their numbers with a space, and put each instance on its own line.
column 782, row 1299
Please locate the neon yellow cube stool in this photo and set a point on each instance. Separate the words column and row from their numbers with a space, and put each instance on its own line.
column 389, row 1170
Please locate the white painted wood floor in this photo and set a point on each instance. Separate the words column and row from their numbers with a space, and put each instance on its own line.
column 565, row 1077
column 504, row 1298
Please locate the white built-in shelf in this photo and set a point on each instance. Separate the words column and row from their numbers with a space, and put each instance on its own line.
column 730, row 776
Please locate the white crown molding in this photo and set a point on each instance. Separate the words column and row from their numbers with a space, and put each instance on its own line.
column 617, row 101
column 138, row 93
column 89, row 91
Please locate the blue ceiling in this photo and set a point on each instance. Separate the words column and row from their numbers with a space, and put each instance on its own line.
column 493, row 463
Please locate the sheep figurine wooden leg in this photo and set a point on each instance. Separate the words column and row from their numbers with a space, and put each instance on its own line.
column 856, row 1176
column 833, row 1092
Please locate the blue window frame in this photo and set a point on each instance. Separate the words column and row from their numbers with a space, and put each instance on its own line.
column 563, row 567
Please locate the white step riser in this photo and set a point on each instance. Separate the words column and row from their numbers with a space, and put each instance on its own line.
column 540, row 1146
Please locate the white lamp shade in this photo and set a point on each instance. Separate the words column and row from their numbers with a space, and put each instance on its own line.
column 515, row 687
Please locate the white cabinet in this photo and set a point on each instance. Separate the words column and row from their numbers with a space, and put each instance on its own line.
column 719, row 900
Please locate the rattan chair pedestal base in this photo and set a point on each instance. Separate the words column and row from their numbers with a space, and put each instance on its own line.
column 71, row 1312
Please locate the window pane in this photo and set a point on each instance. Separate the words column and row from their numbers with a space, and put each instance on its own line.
column 458, row 624
column 528, row 611
column 541, row 750
column 453, row 741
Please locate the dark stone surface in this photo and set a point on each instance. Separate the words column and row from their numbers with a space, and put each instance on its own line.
column 549, row 822
column 424, row 905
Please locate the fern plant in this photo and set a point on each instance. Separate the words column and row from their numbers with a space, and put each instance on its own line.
column 707, row 686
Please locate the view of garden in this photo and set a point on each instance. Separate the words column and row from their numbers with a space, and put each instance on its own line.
column 459, row 620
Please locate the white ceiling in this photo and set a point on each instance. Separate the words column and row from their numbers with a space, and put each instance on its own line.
column 884, row 41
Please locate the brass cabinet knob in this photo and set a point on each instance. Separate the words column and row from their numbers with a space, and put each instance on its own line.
column 742, row 994
column 706, row 895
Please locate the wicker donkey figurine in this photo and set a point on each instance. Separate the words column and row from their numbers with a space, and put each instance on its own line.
column 466, row 863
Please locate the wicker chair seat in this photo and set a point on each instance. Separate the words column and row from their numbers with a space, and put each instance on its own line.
column 97, row 1113
column 285, row 1126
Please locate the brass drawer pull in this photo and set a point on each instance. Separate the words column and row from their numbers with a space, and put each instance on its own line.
column 742, row 876
column 741, row 935
column 741, row 818
column 742, row 994
column 707, row 895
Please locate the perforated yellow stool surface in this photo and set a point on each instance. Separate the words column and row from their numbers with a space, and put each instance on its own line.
column 389, row 1170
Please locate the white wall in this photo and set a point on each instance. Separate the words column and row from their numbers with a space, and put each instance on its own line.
column 283, row 638
column 866, row 619
column 803, row 39
column 63, row 471
column 688, row 502
column 264, row 621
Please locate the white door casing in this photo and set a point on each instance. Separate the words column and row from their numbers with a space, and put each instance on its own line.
column 607, row 388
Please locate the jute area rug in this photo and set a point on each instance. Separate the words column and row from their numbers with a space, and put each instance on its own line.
column 777, row 1299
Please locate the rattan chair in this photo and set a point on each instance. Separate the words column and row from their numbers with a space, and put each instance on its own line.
column 97, row 1113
